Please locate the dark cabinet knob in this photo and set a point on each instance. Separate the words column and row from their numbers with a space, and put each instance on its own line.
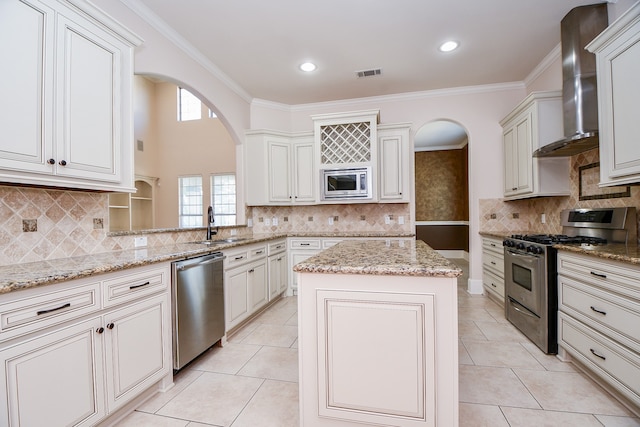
column 100, row 330
column 62, row 163
column 51, row 161
column 110, row 326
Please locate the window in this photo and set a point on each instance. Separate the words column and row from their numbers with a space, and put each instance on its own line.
column 190, row 212
column 212, row 115
column 189, row 107
column 223, row 199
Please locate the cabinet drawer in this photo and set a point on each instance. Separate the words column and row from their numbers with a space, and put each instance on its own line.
column 493, row 283
column 305, row 244
column 492, row 245
column 609, row 275
column 590, row 304
column 277, row 247
column 236, row 257
column 128, row 287
column 29, row 314
column 257, row 252
column 493, row 262
column 327, row 243
column 612, row 362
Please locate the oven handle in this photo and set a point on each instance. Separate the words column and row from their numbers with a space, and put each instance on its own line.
column 515, row 304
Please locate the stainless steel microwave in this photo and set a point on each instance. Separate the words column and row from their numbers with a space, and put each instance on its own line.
column 344, row 184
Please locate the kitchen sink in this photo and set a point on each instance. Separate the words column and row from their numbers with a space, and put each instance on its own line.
column 222, row 241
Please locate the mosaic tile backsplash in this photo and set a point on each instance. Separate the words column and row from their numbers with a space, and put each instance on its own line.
column 498, row 216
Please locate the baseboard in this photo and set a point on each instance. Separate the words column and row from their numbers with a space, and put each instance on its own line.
column 474, row 286
column 454, row 254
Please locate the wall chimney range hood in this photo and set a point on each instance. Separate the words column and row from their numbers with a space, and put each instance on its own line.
column 579, row 87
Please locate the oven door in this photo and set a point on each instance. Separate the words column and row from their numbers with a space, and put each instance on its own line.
column 524, row 279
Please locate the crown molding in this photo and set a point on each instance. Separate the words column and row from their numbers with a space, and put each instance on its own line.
column 170, row 34
column 546, row 62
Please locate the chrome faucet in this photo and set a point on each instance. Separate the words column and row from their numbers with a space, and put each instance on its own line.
column 210, row 220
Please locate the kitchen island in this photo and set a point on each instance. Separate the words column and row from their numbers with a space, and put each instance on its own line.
column 378, row 336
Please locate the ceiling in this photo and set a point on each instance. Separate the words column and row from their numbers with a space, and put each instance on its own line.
column 256, row 46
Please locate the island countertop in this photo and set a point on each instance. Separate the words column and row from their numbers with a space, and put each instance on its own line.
column 388, row 257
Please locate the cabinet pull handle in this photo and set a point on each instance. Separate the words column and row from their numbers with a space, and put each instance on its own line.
column 239, row 257
column 493, row 284
column 251, row 271
column 51, row 161
column 139, row 286
column 305, row 244
column 493, row 262
column 62, row 163
column 279, row 259
column 604, row 313
column 493, row 244
column 110, row 325
column 41, row 312
column 259, row 252
column 100, row 330
column 595, row 353
column 604, row 276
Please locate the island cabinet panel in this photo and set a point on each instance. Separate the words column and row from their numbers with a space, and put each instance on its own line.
column 377, row 350
column 360, row 333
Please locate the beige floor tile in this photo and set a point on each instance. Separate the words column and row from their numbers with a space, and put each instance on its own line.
column 273, row 363
column 279, row 314
column 501, row 354
column 140, row 419
column 519, row 417
column 242, row 333
column 469, row 329
column 549, row 361
column 213, row 399
column 497, row 312
column 463, row 355
column 226, row 360
column 474, row 415
column 474, row 314
column 495, row 331
column 272, row 335
column 274, row 405
column 180, row 381
column 569, row 392
column 493, row 386
column 612, row 421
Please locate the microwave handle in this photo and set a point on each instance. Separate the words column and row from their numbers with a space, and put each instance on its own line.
column 363, row 181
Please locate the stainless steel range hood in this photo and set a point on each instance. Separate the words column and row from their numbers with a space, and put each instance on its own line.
column 579, row 87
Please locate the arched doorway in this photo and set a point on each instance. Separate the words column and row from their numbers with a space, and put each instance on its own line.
column 442, row 187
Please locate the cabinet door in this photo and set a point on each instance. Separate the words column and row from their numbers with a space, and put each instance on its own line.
column 137, row 343
column 87, row 104
column 524, row 153
column 55, row 379
column 510, row 162
column 274, row 275
column 297, row 257
column 236, row 296
column 258, row 289
column 393, row 167
column 304, row 173
column 283, row 280
column 279, row 171
column 26, row 85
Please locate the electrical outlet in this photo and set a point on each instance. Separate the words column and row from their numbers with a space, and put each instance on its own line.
column 274, row 221
column 234, row 232
column 387, row 219
column 140, row 241
column 330, row 220
column 267, row 222
column 401, row 220
column 543, row 218
column 250, row 222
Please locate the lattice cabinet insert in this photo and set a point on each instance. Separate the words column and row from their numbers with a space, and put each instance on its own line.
column 346, row 138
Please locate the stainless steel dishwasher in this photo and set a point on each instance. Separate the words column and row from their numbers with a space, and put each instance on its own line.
column 197, row 306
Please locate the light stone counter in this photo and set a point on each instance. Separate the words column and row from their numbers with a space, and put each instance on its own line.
column 381, row 257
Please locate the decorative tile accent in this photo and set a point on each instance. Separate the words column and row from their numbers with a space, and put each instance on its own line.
column 98, row 223
column 29, row 225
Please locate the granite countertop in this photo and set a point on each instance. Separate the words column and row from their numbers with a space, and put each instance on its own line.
column 29, row 275
column 381, row 257
column 611, row 251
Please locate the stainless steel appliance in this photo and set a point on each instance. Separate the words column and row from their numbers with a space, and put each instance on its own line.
column 197, row 306
column 343, row 184
column 530, row 268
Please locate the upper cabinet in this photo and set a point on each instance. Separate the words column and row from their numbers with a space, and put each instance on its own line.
column 280, row 168
column 66, row 108
column 394, row 170
column 617, row 52
column 535, row 122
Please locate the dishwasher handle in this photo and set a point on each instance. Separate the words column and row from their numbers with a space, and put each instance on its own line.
column 182, row 267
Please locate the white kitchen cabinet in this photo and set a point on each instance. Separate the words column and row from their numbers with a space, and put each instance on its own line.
column 245, row 283
column 299, row 250
column 534, row 123
column 617, row 51
column 278, row 268
column 280, row 168
column 394, row 169
column 66, row 113
column 599, row 310
column 493, row 268
column 75, row 353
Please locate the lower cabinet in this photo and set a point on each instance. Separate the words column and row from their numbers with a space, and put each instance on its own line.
column 80, row 371
column 278, row 274
column 493, row 268
column 599, row 310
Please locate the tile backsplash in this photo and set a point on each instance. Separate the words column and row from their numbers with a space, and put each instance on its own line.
column 499, row 216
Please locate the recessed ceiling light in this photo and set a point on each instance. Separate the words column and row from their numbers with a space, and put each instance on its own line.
column 308, row 66
column 448, row 46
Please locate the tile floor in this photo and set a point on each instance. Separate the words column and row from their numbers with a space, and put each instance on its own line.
column 504, row 379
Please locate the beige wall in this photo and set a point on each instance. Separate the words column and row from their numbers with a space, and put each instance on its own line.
column 173, row 149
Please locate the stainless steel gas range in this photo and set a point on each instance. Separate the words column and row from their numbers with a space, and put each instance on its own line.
column 531, row 302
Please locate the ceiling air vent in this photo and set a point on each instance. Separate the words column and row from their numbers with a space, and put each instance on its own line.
column 368, row 73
